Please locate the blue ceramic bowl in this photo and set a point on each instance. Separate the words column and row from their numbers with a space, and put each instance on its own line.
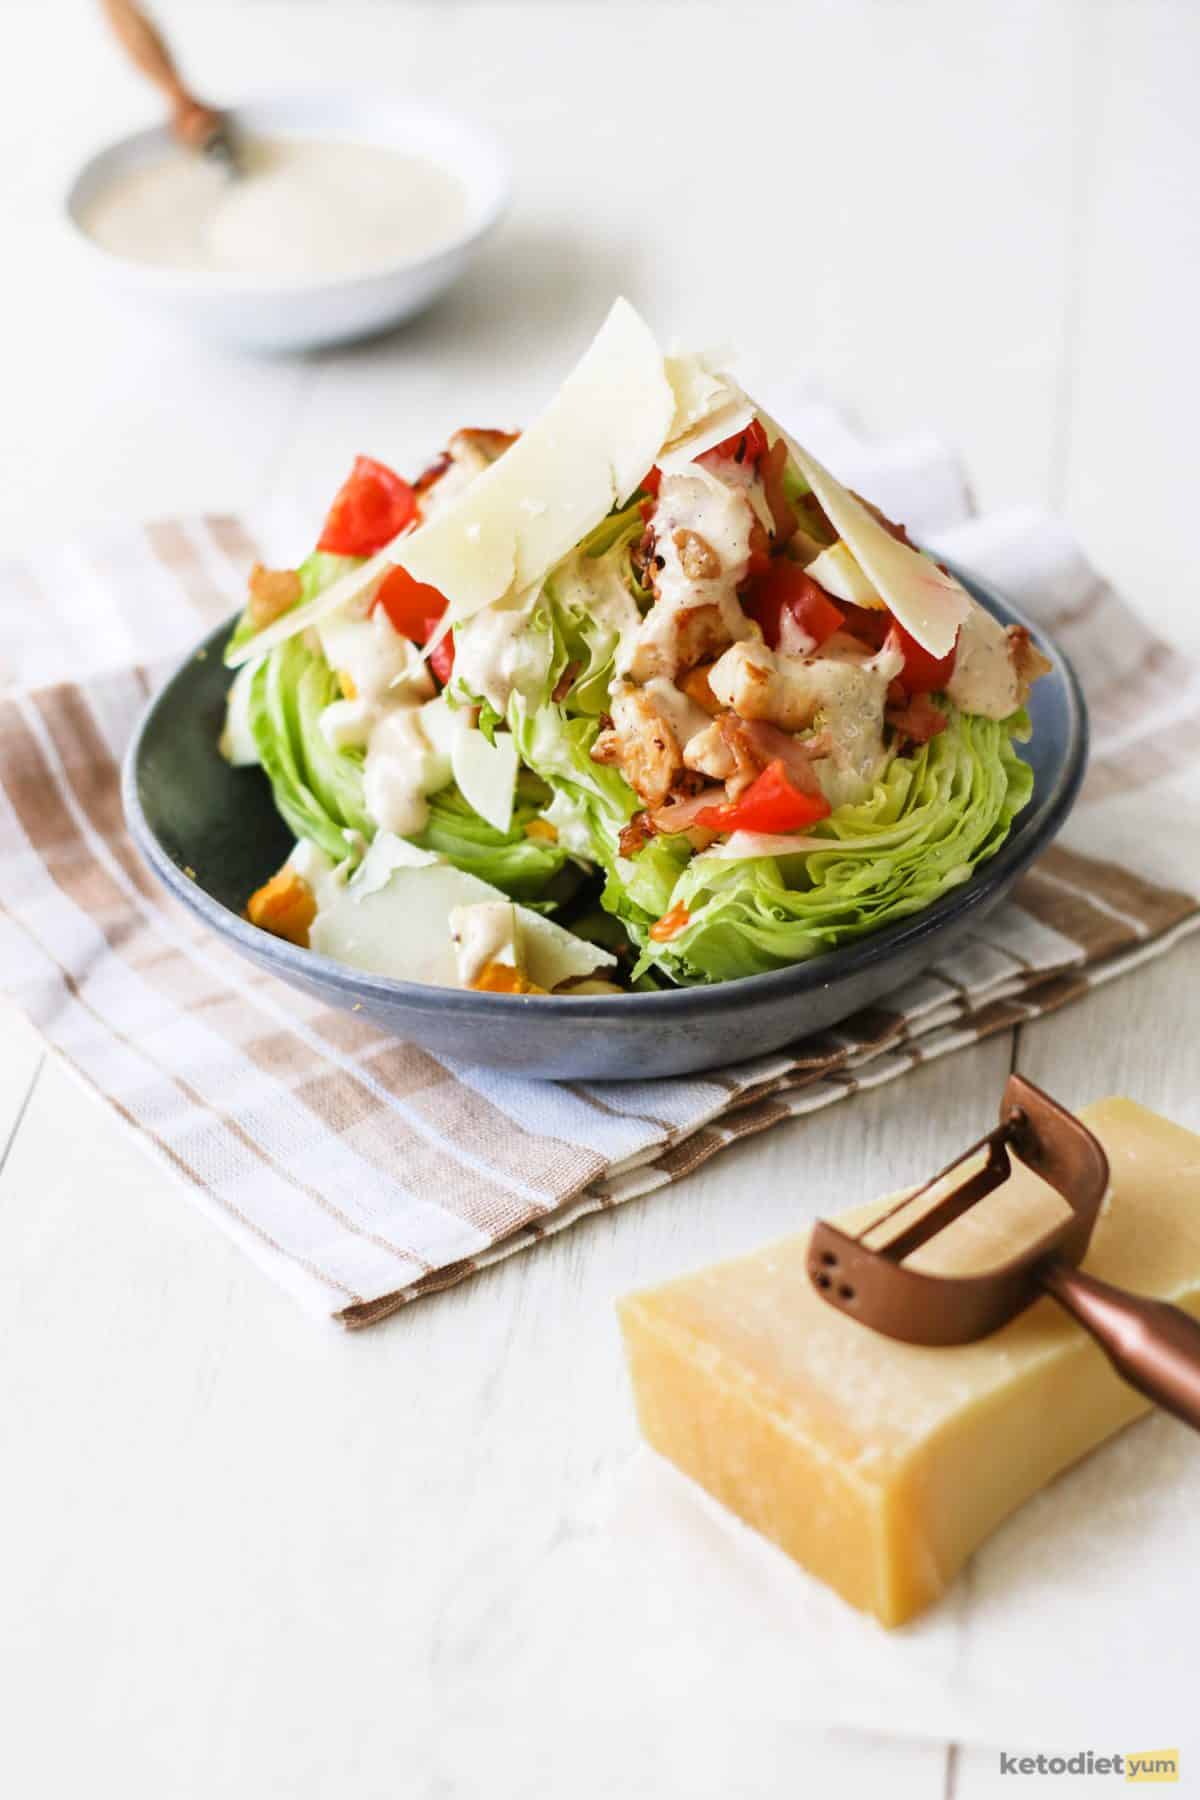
column 188, row 810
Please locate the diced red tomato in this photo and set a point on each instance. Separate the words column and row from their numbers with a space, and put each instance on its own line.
column 413, row 606
column 770, row 804
column 786, row 588
column 915, row 717
column 372, row 506
column 441, row 657
column 922, row 673
column 744, row 446
column 415, row 610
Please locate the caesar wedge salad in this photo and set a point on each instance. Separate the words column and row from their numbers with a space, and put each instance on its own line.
column 643, row 697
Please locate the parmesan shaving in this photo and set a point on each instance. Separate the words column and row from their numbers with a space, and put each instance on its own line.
column 929, row 604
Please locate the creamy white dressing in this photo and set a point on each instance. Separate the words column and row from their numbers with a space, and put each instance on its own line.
column 685, row 718
column 303, row 208
column 595, row 587
column 400, row 769
column 481, row 934
column 496, row 654
column 692, row 502
column 984, row 678
column 391, row 689
column 383, row 666
column 346, row 724
column 842, row 692
column 314, row 867
column 743, row 477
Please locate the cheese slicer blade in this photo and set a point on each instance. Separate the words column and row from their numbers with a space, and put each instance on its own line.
column 1153, row 1346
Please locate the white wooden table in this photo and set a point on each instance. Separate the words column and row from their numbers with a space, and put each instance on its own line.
column 240, row 1554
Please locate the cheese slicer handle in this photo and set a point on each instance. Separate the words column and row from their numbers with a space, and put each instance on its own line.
column 1152, row 1345
column 193, row 123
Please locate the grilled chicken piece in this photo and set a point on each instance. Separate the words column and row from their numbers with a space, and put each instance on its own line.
column 467, row 455
column 1028, row 662
column 642, row 744
column 273, row 592
column 736, row 751
column 789, row 691
column 723, row 753
column 698, row 557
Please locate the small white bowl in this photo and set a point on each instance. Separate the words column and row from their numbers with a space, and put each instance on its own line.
column 256, row 312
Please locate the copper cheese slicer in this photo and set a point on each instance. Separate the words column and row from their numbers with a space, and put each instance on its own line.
column 194, row 125
column 1153, row 1346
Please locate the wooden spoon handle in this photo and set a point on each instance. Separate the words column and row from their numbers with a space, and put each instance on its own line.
column 193, row 123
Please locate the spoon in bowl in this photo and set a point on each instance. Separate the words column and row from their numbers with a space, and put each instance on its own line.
column 194, row 124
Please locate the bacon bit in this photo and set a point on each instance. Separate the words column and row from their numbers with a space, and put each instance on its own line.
column 768, row 744
column 472, row 444
column 918, row 720
column 502, row 978
column 272, row 593
column 783, row 513
column 736, row 751
column 695, row 686
column 815, row 527
column 760, row 554
column 346, row 683
column 670, row 925
column 679, row 816
column 565, row 682
column 1027, row 660
column 485, row 442
column 642, row 555
column 433, row 474
column 700, row 561
column 868, row 624
column 286, row 907
column 747, row 765
column 636, row 835
column 542, row 830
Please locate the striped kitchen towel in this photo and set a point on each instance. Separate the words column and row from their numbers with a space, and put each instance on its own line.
column 361, row 1172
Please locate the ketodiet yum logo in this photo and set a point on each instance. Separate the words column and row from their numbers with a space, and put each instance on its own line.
column 1126, row 1765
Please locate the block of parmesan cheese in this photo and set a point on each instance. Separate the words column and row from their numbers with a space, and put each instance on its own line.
column 881, row 1466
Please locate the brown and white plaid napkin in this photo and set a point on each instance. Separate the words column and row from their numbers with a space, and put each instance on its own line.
column 361, row 1172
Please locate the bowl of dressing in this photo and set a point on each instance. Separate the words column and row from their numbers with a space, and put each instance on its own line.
column 352, row 212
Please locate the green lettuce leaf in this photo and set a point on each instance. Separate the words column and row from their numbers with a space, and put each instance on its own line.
column 321, row 801
column 932, row 819
column 524, row 867
column 319, row 790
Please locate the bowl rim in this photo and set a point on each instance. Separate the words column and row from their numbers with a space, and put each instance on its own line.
column 489, row 200
column 1032, row 830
